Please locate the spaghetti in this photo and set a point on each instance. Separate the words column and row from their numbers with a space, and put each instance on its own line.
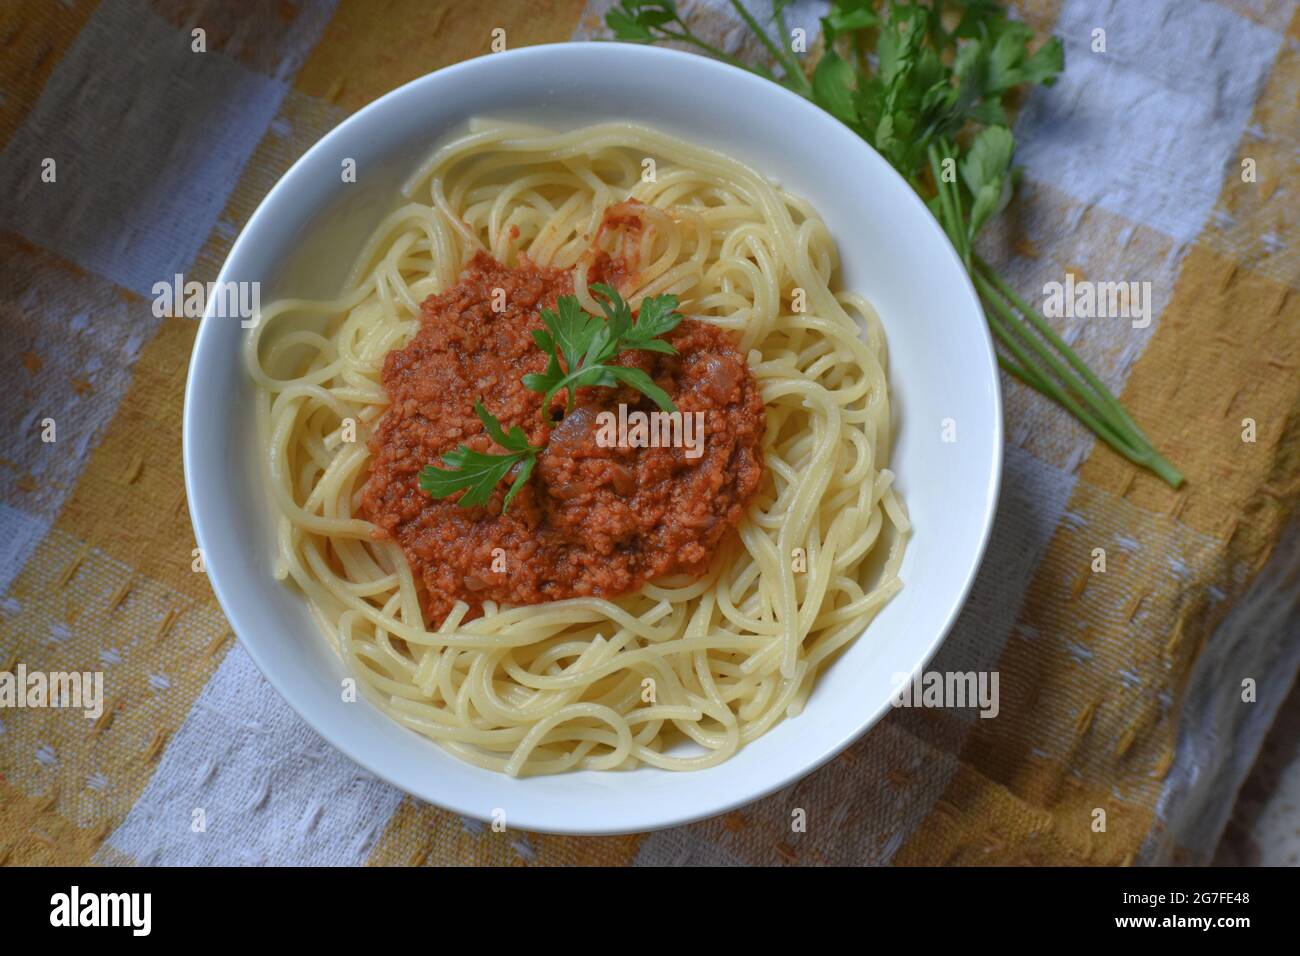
column 686, row 670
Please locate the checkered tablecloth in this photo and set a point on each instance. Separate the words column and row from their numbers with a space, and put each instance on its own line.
column 1120, row 691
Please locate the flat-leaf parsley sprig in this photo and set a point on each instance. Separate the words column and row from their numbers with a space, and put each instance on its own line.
column 926, row 84
column 477, row 473
column 587, row 344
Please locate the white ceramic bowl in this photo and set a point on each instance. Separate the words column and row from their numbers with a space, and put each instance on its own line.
column 941, row 366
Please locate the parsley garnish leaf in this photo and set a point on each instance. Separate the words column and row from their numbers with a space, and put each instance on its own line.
column 477, row 473
column 588, row 344
column 984, row 169
column 580, row 348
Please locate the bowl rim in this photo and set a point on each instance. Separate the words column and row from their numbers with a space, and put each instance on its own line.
column 194, row 484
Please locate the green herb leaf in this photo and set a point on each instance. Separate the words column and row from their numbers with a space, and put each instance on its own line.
column 626, row 27
column 658, row 317
column 833, row 83
column 644, row 384
column 572, row 329
column 1045, row 65
column 984, row 170
column 514, row 440
column 587, row 344
column 637, row 20
column 845, row 17
column 522, row 474
column 618, row 314
column 477, row 473
column 658, row 21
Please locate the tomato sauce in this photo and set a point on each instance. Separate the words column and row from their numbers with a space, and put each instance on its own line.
column 592, row 520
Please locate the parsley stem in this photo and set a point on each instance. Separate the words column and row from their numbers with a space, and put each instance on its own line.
column 950, row 206
column 1117, row 430
column 794, row 77
column 778, row 16
column 688, row 36
column 1003, row 324
column 1076, row 387
column 1057, row 342
column 955, row 192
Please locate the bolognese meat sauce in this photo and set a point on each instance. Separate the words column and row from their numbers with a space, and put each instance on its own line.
column 592, row 520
